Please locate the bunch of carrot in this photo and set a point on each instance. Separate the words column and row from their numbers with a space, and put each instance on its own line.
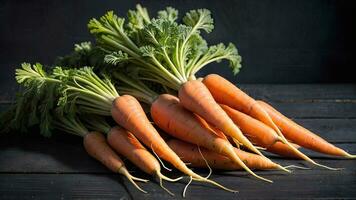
column 210, row 122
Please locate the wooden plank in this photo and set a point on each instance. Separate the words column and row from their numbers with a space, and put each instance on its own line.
column 316, row 109
column 301, row 92
column 333, row 130
column 301, row 184
column 36, row 154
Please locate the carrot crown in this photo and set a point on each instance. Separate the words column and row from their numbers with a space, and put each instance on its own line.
column 82, row 90
column 70, row 124
column 97, row 123
column 163, row 50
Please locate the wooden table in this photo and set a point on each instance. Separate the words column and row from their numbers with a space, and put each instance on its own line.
column 33, row 167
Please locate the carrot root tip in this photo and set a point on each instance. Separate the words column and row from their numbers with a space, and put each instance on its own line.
column 215, row 183
column 139, row 179
column 161, row 185
column 131, row 178
column 168, row 169
column 186, row 187
column 297, row 167
column 207, row 164
column 167, row 178
column 283, row 168
column 350, row 156
column 327, row 167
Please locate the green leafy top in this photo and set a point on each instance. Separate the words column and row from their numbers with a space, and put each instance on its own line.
column 84, row 54
column 47, row 98
column 84, row 91
column 163, row 50
column 37, row 102
column 97, row 123
column 70, row 124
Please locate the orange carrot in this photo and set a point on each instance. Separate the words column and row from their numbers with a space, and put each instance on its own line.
column 190, row 154
column 259, row 133
column 283, row 150
column 127, row 112
column 191, row 128
column 226, row 93
column 125, row 143
column 301, row 135
column 97, row 147
column 195, row 96
column 256, row 131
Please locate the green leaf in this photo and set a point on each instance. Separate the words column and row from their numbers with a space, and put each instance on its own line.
column 199, row 19
column 116, row 57
column 169, row 14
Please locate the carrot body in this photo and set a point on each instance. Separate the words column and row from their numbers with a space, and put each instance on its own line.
column 171, row 117
column 256, row 131
column 96, row 146
column 128, row 113
column 190, row 154
column 301, row 135
column 125, row 143
column 259, row 133
column 283, row 150
column 195, row 97
column 227, row 93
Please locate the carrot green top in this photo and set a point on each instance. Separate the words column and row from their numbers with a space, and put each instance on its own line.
column 59, row 96
column 164, row 50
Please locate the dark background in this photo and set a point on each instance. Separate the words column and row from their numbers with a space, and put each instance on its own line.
column 294, row 41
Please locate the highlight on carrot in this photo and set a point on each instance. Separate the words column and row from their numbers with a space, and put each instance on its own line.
column 301, row 135
column 126, row 144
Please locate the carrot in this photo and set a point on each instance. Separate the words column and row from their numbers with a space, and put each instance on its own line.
column 259, row 133
column 195, row 96
column 125, row 143
column 97, row 147
column 226, row 93
column 283, row 150
column 301, row 135
column 190, row 154
column 170, row 116
column 256, row 131
column 128, row 112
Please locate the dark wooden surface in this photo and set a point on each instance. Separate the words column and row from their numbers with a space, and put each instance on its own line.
column 294, row 41
column 33, row 167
